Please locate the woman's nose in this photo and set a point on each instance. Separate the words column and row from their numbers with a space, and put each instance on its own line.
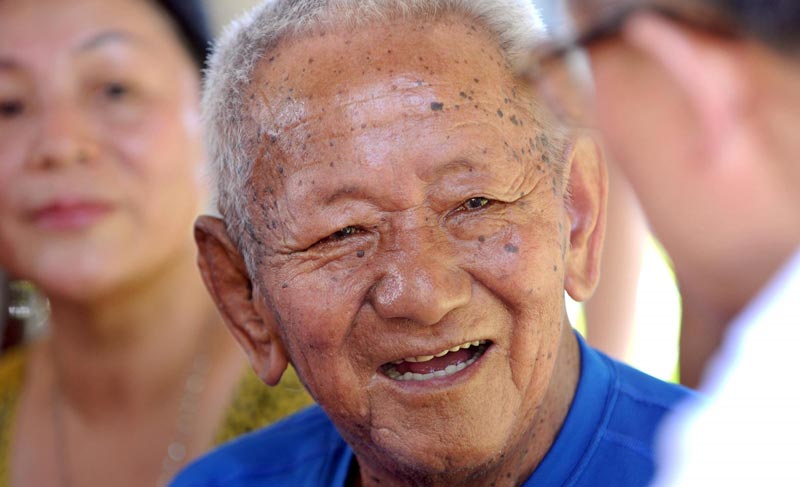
column 63, row 138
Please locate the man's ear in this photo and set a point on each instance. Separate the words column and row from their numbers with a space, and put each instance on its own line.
column 586, row 206
column 226, row 278
column 703, row 67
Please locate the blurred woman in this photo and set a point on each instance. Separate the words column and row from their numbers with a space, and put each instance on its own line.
column 100, row 156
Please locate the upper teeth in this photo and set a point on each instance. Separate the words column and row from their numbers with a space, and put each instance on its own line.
column 425, row 358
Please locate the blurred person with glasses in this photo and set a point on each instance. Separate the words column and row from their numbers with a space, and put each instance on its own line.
column 699, row 101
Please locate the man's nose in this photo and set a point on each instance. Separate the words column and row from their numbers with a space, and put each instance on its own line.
column 63, row 138
column 422, row 282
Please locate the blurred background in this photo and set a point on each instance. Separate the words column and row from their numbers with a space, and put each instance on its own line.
column 653, row 344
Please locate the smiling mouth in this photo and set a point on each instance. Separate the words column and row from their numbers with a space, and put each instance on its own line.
column 444, row 364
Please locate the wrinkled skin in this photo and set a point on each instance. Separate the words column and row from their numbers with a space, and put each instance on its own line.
column 404, row 201
column 89, row 116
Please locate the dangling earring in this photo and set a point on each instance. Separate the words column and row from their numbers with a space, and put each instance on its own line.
column 27, row 305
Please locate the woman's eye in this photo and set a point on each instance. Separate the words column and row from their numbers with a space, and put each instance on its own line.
column 477, row 203
column 11, row 108
column 115, row 90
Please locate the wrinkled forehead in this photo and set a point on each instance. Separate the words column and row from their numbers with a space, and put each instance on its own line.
column 403, row 62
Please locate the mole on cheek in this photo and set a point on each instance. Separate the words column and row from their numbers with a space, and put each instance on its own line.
column 360, row 254
column 437, row 106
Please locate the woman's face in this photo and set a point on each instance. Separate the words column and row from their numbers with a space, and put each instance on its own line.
column 99, row 144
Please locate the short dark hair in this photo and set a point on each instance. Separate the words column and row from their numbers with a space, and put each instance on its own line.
column 775, row 22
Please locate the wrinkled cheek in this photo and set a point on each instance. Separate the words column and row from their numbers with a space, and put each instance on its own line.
column 519, row 267
column 526, row 274
column 480, row 231
column 328, row 374
column 314, row 325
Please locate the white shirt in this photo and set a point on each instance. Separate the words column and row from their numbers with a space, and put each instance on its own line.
column 747, row 430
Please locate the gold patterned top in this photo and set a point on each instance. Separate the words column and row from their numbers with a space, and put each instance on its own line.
column 254, row 405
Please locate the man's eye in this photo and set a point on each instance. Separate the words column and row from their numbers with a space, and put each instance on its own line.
column 11, row 108
column 477, row 203
column 344, row 233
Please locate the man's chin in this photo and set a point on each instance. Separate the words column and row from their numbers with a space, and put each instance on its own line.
column 447, row 453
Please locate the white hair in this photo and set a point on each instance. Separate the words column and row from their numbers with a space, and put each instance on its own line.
column 515, row 24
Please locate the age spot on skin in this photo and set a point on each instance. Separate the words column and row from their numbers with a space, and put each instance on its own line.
column 360, row 254
column 437, row 106
column 481, row 239
column 500, row 113
column 511, row 248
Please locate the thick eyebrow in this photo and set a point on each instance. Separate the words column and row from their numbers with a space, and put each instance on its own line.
column 355, row 191
column 107, row 37
column 99, row 40
column 344, row 191
column 454, row 166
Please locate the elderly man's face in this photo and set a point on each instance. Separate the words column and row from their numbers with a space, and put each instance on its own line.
column 414, row 239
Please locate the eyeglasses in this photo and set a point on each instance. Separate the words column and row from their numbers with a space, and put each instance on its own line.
column 562, row 69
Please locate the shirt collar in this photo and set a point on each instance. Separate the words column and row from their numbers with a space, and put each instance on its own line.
column 584, row 423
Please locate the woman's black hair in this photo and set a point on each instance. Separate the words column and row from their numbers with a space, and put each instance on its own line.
column 190, row 17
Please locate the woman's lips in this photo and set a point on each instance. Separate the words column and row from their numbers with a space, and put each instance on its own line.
column 70, row 215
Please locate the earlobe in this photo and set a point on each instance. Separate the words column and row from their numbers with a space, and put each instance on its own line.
column 586, row 207
column 702, row 67
column 225, row 275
